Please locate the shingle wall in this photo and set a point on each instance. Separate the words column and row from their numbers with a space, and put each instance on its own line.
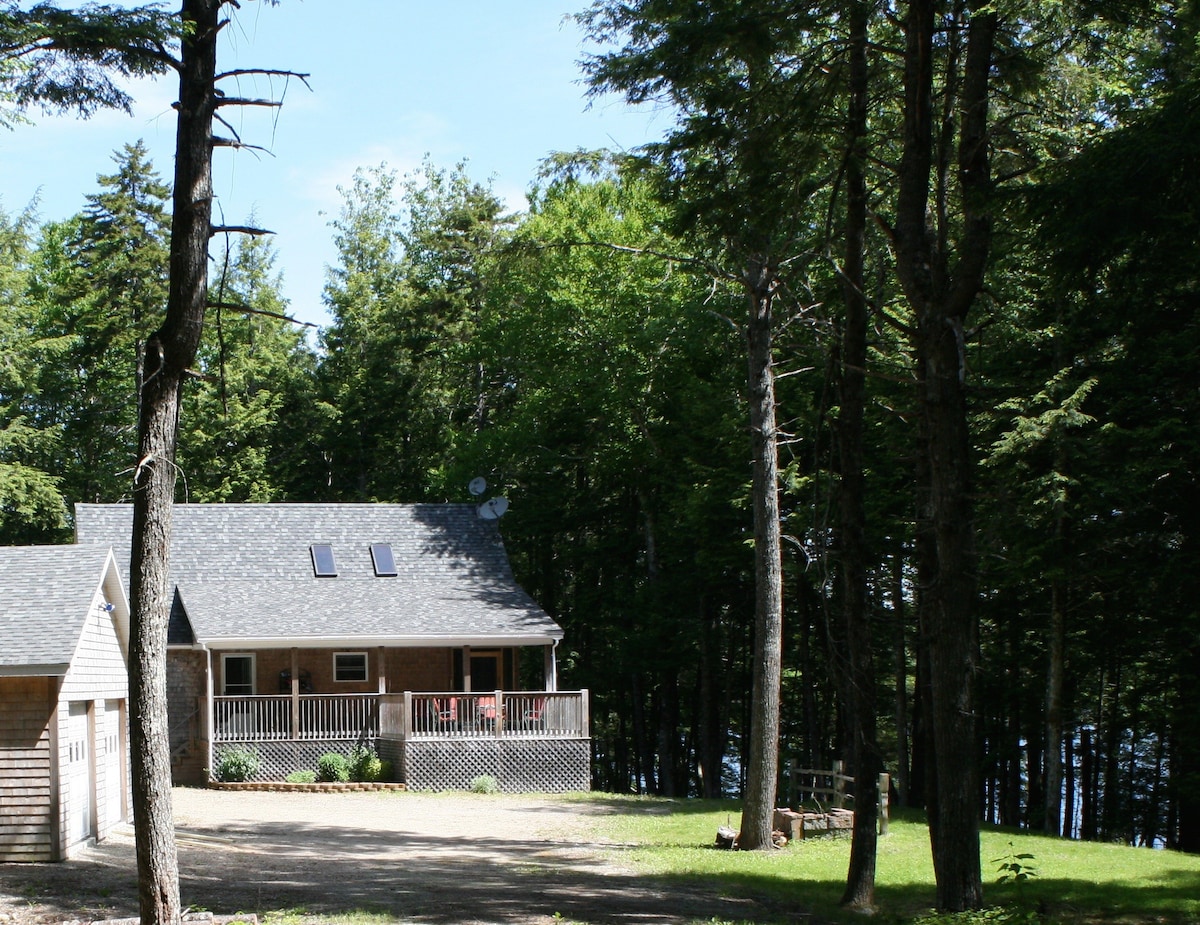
column 27, row 806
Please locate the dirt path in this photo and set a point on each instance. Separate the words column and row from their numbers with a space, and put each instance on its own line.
column 429, row 858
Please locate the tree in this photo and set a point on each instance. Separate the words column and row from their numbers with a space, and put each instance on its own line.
column 735, row 172
column 64, row 59
column 31, row 501
column 254, row 389
column 610, row 382
column 100, row 282
column 169, row 354
column 405, row 296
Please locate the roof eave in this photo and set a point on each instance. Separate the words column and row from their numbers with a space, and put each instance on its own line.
column 229, row 643
column 55, row 670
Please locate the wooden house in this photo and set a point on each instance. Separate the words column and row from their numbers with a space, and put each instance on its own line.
column 299, row 629
column 64, row 632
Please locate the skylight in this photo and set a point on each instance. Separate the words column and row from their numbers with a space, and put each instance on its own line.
column 324, row 565
column 385, row 562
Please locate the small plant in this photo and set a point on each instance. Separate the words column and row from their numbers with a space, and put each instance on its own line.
column 333, row 766
column 236, row 764
column 1015, row 867
column 301, row 777
column 484, row 783
column 365, row 764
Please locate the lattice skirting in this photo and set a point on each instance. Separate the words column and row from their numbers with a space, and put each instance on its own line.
column 518, row 765
column 276, row 760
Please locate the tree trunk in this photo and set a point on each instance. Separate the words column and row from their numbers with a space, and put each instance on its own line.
column 940, row 299
column 763, row 759
column 860, row 706
column 169, row 353
column 900, row 657
column 1056, row 670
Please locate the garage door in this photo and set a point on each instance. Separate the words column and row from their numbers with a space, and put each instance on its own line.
column 110, row 740
column 79, row 775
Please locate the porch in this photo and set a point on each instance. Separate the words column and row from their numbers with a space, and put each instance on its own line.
column 527, row 740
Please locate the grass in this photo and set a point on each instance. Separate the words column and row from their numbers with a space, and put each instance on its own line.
column 1071, row 882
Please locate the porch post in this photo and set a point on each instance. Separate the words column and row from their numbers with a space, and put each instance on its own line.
column 550, row 667
column 295, row 676
column 466, row 669
column 208, row 709
column 382, row 671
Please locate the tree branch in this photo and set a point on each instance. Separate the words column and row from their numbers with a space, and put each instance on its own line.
column 247, row 310
column 238, row 229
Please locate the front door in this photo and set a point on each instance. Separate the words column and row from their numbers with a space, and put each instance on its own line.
column 237, row 675
column 485, row 671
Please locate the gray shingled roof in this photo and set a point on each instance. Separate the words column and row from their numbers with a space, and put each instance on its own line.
column 245, row 576
column 45, row 593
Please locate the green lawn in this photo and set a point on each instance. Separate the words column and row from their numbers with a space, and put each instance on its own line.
column 1074, row 882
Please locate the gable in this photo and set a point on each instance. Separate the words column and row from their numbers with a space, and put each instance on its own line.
column 50, row 594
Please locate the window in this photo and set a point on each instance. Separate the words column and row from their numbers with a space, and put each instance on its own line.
column 385, row 562
column 324, row 565
column 349, row 666
column 237, row 672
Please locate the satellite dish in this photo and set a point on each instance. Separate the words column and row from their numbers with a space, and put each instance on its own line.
column 477, row 486
column 493, row 509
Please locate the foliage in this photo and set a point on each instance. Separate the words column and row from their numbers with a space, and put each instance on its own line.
column 235, row 764
column 333, row 767
column 364, row 764
column 484, row 783
column 301, row 777
column 67, row 59
column 1017, row 866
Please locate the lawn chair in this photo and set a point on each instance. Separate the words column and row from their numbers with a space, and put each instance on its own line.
column 533, row 718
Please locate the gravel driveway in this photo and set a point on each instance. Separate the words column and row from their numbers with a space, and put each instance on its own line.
column 432, row 858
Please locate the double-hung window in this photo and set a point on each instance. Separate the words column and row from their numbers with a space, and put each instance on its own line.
column 349, row 666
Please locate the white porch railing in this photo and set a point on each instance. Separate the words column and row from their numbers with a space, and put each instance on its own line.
column 273, row 718
column 540, row 715
column 351, row 717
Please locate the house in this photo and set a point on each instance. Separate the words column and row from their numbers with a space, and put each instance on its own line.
column 64, row 636
column 299, row 629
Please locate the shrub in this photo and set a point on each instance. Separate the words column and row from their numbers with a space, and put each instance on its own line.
column 301, row 777
column 333, row 767
column 484, row 783
column 365, row 764
column 235, row 764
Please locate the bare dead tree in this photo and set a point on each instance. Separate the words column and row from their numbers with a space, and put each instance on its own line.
column 170, row 352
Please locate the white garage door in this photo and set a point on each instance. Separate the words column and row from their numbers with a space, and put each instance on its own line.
column 110, row 739
column 79, row 774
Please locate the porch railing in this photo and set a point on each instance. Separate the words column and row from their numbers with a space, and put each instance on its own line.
column 540, row 714
column 351, row 717
column 270, row 718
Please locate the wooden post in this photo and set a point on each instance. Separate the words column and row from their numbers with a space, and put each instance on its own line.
column 295, row 676
column 839, row 784
column 467, row 669
column 585, row 719
column 407, row 719
column 209, row 711
column 884, row 785
column 382, row 671
column 499, row 713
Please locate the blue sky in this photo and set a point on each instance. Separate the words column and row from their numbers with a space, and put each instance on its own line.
column 494, row 82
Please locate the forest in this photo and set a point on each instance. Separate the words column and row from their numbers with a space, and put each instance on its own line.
column 588, row 356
